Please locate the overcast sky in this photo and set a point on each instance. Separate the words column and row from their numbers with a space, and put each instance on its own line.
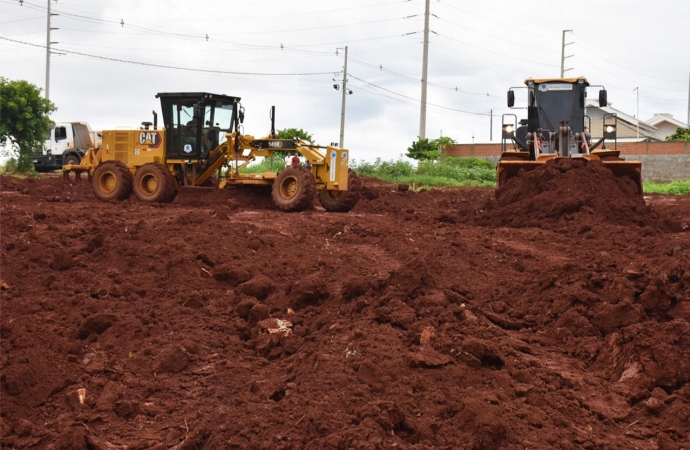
column 112, row 57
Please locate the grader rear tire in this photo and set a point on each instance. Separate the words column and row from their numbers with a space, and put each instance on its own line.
column 294, row 189
column 112, row 180
column 153, row 182
column 342, row 201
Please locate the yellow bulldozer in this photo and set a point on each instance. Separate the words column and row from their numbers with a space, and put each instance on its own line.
column 558, row 127
column 201, row 145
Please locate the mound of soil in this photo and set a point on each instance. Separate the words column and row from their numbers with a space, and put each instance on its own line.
column 570, row 193
column 417, row 320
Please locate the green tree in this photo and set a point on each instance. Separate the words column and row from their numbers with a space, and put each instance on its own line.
column 681, row 134
column 290, row 133
column 423, row 150
column 24, row 121
column 444, row 141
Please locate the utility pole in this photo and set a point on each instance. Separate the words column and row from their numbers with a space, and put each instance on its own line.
column 425, row 64
column 48, row 42
column 563, row 44
column 688, row 100
column 491, row 125
column 342, row 112
column 638, row 112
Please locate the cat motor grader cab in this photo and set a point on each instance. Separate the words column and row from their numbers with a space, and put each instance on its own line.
column 201, row 145
column 557, row 127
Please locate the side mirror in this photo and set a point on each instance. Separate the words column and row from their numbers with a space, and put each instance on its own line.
column 241, row 115
column 511, row 99
column 603, row 101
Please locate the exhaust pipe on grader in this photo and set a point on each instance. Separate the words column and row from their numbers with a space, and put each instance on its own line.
column 201, row 145
column 557, row 127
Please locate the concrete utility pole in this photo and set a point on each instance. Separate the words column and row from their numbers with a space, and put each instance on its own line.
column 342, row 112
column 48, row 42
column 638, row 112
column 425, row 64
column 563, row 44
column 491, row 125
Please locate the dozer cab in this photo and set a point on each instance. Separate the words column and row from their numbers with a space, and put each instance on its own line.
column 201, row 145
column 557, row 127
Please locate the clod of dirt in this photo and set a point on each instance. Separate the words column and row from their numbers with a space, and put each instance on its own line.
column 308, row 291
column 61, row 261
column 231, row 274
column 172, row 359
column 96, row 324
column 259, row 286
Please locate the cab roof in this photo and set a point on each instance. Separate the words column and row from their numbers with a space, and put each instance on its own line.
column 198, row 96
column 558, row 80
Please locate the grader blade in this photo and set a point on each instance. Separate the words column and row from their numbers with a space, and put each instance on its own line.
column 631, row 169
column 508, row 169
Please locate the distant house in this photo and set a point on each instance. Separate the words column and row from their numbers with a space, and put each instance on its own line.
column 665, row 125
column 629, row 129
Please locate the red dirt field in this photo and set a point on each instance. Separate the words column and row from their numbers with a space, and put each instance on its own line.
column 554, row 317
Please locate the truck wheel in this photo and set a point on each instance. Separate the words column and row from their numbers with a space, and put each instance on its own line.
column 112, row 180
column 294, row 189
column 71, row 159
column 342, row 201
column 153, row 182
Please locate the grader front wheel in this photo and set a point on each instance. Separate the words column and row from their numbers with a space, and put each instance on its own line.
column 342, row 201
column 294, row 189
column 112, row 180
column 153, row 182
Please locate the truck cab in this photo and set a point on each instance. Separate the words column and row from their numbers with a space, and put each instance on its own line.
column 66, row 144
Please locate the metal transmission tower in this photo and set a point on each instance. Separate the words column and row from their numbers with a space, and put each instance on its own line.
column 48, row 42
column 563, row 44
column 425, row 64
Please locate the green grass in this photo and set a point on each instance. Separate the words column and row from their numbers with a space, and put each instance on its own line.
column 467, row 172
column 672, row 188
column 264, row 165
column 446, row 172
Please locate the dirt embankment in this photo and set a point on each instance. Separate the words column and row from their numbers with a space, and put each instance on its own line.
column 554, row 317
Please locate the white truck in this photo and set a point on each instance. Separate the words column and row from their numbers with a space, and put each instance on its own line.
column 67, row 144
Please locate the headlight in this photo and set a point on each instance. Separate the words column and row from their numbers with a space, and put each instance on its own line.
column 509, row 129
column 610, row 128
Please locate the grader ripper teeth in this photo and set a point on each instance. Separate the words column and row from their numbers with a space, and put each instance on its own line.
column 200, row 145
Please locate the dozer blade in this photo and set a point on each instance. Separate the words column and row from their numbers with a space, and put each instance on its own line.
column 632, row 169
column 508, row 169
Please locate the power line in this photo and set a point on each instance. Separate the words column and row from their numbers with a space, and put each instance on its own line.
column 635, row 64
column 417, row 101
column 163, row 66
column 416, row 79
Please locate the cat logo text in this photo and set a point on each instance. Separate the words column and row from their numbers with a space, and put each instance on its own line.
column 150, row 138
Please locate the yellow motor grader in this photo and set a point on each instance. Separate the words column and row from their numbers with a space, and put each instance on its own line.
column 201, row 145
column 557, row 127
